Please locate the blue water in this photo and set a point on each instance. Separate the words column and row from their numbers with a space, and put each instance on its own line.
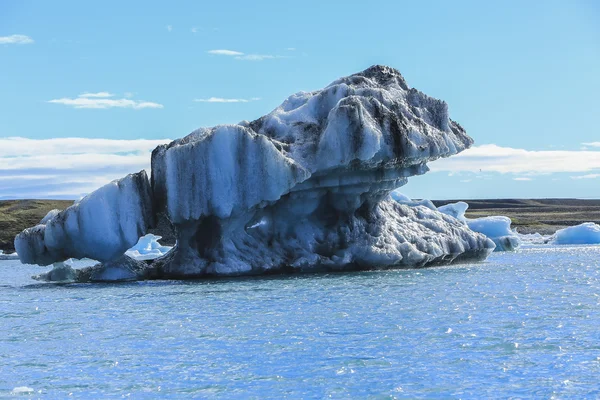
column 524, row 324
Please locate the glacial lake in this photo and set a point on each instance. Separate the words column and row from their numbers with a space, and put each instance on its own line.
column 523, row 324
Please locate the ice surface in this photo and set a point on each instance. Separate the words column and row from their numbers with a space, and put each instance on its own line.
column 586, row 233
column 496, row 228
column 403, row 199
column 102, row 226
column 148, row 248
column 305, row 187
column 456, row 210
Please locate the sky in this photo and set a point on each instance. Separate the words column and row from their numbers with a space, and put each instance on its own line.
column 88, row 89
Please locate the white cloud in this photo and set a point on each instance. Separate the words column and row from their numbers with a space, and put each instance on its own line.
column 225, row 52
column 592, row 144
column 99, row 94
column 194, row 30
column 493, row 158
column 291, row 49
column 103, row 100
column 522, row 179
column 169, row 27
column 588, row 176
column 67, row 167
column 224, row 100
column 16, row 39
column 238, row 55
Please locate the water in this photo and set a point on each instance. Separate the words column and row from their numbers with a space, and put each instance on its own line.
column 524, row 324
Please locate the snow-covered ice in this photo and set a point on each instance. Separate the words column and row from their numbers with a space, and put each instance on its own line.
column 586, row 233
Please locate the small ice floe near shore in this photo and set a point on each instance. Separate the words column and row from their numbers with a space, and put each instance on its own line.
column 586, row 233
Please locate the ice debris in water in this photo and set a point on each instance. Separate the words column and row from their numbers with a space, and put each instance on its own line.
column 586, row 233
column 148, row 248
column 497, row 228
column 22, row 390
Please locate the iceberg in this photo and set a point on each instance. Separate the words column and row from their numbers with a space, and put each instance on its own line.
column 586, row 233
column 148, row 248
column 496, row 228
column 303, row 188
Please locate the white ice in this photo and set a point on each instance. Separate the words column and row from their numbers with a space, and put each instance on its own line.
column 102, row 226
column 586, row 233
column 148, row 248
column 497, row 228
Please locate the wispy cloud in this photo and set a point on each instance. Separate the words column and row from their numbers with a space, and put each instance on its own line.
column 522, row 179
column 588, row 176
column 16, row 39
column 194, row 30
column 103, row 100
column 169, row 28
column 238, row 55
column 68, row 167
column 493, row 158
column 291, row 49
column 224, row 100
column 224, row 52
column 592, row 144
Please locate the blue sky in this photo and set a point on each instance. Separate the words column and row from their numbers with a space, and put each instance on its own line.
column 522, row 76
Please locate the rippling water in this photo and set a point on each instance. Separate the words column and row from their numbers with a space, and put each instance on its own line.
column 521, row 324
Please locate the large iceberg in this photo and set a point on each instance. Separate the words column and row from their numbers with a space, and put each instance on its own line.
column 306, row 187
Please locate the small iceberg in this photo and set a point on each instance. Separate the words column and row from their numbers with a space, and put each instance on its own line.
column 148, row 248
column 496, row 228
column 586, row 233
column 13, row 256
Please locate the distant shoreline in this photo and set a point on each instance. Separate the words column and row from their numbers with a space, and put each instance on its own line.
column 528, row 215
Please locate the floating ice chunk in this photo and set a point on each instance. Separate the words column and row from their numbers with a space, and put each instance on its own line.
column 13, row 256
column 496, row 228
column 586, row 233
column 148, row 248
column 22, row 390
column 534, row 238
column 61, row 272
